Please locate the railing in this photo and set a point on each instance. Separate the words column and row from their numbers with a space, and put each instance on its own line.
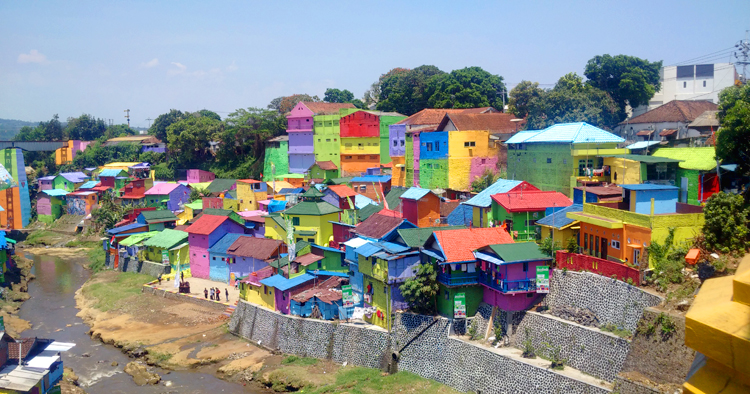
column 464, row 279
column 580, row 262
column 508, row 286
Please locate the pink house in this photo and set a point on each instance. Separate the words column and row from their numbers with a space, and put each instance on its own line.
column 198, row 176
column 203, row 234
column 45, row 182
column 507, row 272
column 300, row 127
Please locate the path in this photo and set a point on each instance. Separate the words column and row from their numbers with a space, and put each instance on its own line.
column 196, row 289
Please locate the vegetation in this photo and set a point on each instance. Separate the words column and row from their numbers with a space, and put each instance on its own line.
column 549, row 247
column 668, row 261
column 294, row 360
column 528, row 345
column 333, row 95
column 553, row 354
column 472, row 331
column 664, row 322
column 113, row 294
column 572, row 245
column 733, row 142
column 108, row 213
column 42, row 238
column 498, row 332
column 614, row 329
column 420, row 291
column 726, row 225
column 487, row 179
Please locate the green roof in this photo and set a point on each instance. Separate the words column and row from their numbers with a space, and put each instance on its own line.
column 138, row 238
column 278, row 219
column 282, row 262
column 644, row 158
column 167, row 238
column 197, row 204
column 393, row 197
column 224, row 212
column 159, row 216
column 340, row 181
column 219, row 185
column 519, row 252
column 307, row 233
column 692, row 158
column 290, row 176
column 368, row 211
column 312, row 192
column 416, row 237
column 312, row 208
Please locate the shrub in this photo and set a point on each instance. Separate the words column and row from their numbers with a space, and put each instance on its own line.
column 726, row 225
column 572, row 245
column 668, row 327
column 498, row 331
column 549, row 247
column 472, row 331
column 528, row 345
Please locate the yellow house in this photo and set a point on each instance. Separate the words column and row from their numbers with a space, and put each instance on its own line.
column 175, row 243
column 249, row 192
column 189, row 212
column 275, row 227
column 716, row 326
column 312, row 221
column 251, row 290
column 559, row 226
column 360, row 146
column 627, row 169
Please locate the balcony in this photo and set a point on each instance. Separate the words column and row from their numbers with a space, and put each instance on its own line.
column 508, row 286
column 458, row 279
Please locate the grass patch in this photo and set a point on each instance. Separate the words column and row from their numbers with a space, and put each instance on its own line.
column 97, row 258
column 301, row 361
column 42, row 238
column 620, row 332
column 358, row 380
column 84, row 244
column 111, row 294
column 158, row 357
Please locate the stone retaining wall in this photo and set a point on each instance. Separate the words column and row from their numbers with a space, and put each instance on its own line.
column 143, row 267
column 612, row 301
column 624, row 386
column 596, row 353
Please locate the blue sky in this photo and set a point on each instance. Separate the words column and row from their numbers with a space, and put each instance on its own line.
column 101, row 57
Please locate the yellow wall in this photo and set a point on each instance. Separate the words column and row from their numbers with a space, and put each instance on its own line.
column 628, row 171
column 274, row 231
column 248, row 199
column 360, row 146
column 482, row 148
column 232, row 205
column 380, row 300
column 320, row 224
column 458, row 173
column 255, row 295
column 560, row 236
column 398, row 174
column 184, row 216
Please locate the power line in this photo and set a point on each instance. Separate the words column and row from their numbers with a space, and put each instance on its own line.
column 701, row 57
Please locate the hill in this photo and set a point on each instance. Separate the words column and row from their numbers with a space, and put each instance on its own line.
column 10, row 127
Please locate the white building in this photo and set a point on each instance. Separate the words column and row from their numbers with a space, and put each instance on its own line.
column 694, row 82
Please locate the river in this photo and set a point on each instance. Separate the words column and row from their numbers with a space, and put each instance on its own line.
column 51, row 310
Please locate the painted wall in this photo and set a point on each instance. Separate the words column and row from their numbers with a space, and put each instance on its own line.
column 355, row 165
column 423, row 212
column 522, row 222
column 199, row 244
column 446, row 299
column 433, row 145
column 248, row 195
column 386, row 144
column 665, row 201
column 361, row 146
column 480, row 165
column 300, row 162
column 398, row 172
column 327, row 138
column 360, row 124
column 433, row 174
column 624, row 172
column 397, row 138
column 259, row 295
column 320, row 224
column 279, row 156
column 317, row 173
column 301, row 142
column 410, row 179
column 508, row 302
column 198, row 176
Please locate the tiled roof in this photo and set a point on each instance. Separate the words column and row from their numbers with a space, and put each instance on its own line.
column 602, row 190
column 415, row 193
column 518, row 252
column 573, row 133
column 75, row 177
column 220, row 185
column 162, row 189
column 167, row 239
column 26, row 345
column 458, row 245
column 558, row 219
column 258, row 248
column 307, row 259
column 326, row 165
column 111, row 172
column 368, row 211
column 493, row 122
column 692, row 158
column 163, row 215
column 706, row 119
column 433, row 116
column 645, row 132
column 326, row 291
column 667, row 132
column 224, row 243
column 416, row 237
column 319, row 108
column 378, row 226
column 684, row 111
column 531, row 200
column 372, row 178
column 281, row 283
column 342, row 191
column 312, row 208
column 484, row 199
column 206, row 224
column 446, row 207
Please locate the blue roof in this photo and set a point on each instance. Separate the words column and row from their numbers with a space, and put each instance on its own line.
column 372, row 178
column 461, row 216
column 415, row 193
column 284, row 284
column 224, row 243
column 392, row 247
column 89, row 185
column 327, row 248
column 648, row 186
column 368, row 249
column 276, row 206
column 55, row 192
column 330, row 273
column 484, row 199
column 110, row 172
column 3, row 242
column 558, row 219
column 117, row 230
column 292, row 190
column 361, row 201
column 574, row 133
column 641, row 144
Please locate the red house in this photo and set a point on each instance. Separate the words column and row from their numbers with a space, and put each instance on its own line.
column 421, row 207
column 360, row 124
column 134, row 191
column 340, row 196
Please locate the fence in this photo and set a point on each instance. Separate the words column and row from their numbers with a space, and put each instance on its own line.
column 580, row 262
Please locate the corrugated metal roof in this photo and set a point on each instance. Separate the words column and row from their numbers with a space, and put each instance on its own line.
column 159, row 216
column 642, row 144
column 574, row 133
column 138, row 238
column 416, row 237
column 224, row 243
column 163, row 189
column 121, row 229
column 415, row 193
column 702, row 159
column 531, row 200
column 518, row 252
column 55, row 192
column 484, row 198
column 372, row 178
column 111, row 172
column 649, row 186
column 257, row 248
column 75, row 177
column 558, row 219
column 644, row 158
column 206, row 224
column 167, row 238
column 89, row 185
column 281, row 283
column 458, row 245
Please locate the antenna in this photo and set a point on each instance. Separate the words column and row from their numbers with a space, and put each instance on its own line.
column 127, row 115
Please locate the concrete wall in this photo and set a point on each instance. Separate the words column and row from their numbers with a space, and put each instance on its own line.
column 143, row 267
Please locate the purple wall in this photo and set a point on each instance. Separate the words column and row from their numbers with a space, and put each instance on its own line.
column 397, row 133
column 301, row 142
column 331, row 198
column 199, row 244
column 43, row 206
column 299, row 163
column 45, row 184
column 181, row 194
column 300, row 118
column 282, row 301
column 244, row 266
column 516, row 301
column 154, row 149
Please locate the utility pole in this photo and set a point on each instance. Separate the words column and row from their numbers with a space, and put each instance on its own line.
column 127, row 115
column 149, row 122
column 743, row 55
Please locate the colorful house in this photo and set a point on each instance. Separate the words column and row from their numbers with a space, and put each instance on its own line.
column 626, row 169
column 220, row 259
column 360, row 142
column 481, row 204
column 204, row 233
column 507, row 273
column 696, row 173
column 304, row 148
column 327, row 133
column 311, row 221
column 622, row 231
column 69, row 151
column 251, row 290
column 248, row 254
column 324, row 300
column 31, row 365
column 45, row 182
column 284, row 289
column 219, row 186
column 421, row 207
column 15, row 200
column 374, row 187
column 69, row 181
column 555, row 158
column 114, row 178
column 452, row 251
column 519, row 211
column 276, row 160
column 49, row 205
column 313, row 258
column 197, row 176
column 559, row 226
column 340, row 196
column 275, row 226
column 323, row 170
column 189, row 211
column 168, row 195
column 379, row 227
column 157, row 220
column 81, row 202
column 609, row 193
column 174, row 243
column 249, row 192
column 134, row 192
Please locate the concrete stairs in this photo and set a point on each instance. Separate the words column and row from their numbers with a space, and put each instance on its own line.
column 230, row 309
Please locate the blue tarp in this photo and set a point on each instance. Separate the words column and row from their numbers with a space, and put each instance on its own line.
column 276, row 206
column 117, row 230
column 281, row 283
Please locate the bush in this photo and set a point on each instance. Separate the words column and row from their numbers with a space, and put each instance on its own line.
column 620, row 332
column 498, row 331
column 669, row 260
column 528, row 345
column 572, row 245
column 549, row 247
column 726, row 225
column 472, row 330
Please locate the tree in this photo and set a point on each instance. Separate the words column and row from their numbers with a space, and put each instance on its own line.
column 733, row 140
column 333, row 95
column 107, row 213
column 287, row 103
column 523, row 97
column 405, row 91
column 163, row 121
column 420, row 291
column 726, row 223
column 207, row 113
column 372, row 95
column 484, row 181
column 85, row 127
column 275, row 103
column 188, row 141
column 469, row 87
column 627, row 79
column 118, row 130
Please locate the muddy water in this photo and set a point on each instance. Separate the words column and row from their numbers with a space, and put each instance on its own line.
column 52, row 313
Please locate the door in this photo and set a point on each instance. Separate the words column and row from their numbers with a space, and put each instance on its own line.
column 637, row 256
column 683, row 189
column 605, row 243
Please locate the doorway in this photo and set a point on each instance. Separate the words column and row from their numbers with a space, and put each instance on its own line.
column 605, row 243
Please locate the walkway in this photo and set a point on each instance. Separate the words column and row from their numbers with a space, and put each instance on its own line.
column 196, row 289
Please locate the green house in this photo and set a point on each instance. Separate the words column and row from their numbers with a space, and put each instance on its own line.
column 69, row 181
column 157, row 220
column 175, row 243
column 324, row 170
column 519, row 211
column 311, row 258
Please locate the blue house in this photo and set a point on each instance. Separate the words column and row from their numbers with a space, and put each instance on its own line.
column 433, row 145
column 481, row 204
column 323, row 301
column 638, row 198
column 219, row 258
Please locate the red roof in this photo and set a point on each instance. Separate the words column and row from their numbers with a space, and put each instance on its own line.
column 248, row 181
column 206, row 224
column 326, row 108
column 378, row 226
column 257, row 248
column 459, row 245
column 26, row 343
column 644, row 132
column 684, row 111
column 531, row 200
column 342, row 191
column 326, row 291
column 133, row 196
column 307, row 259
column 326, row 165
column 433, row 116
column 667, row 132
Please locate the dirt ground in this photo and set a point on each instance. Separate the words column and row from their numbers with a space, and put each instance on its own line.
column 63, row 253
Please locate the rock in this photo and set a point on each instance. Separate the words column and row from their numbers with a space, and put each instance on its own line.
column 683, row 305
column 18, row 297
column 141, row 375
column 85, row 355
column 138, row 352
column 114, row 363
column 583, row 317
column 10, row 309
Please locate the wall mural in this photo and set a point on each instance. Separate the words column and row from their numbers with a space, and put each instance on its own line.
column 76, row 206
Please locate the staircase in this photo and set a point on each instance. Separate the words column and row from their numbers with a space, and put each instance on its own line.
column 230, row 309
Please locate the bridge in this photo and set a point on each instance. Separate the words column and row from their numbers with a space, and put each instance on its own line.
column 33, row 146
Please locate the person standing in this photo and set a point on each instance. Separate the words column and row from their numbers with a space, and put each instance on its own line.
column 218, row 294
column 205, row 293
column 226, row 291
column 212, row 294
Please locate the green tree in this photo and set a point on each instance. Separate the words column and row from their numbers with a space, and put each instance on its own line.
column 549, row 247
column 372, row 95
column 469, row 87
column 275, row 103
column 420, row 291
column 733, row 140
column 726, row 223
column 627, row 79
column 524, row 96
column 484, row 181
column 405, row 91
column 287, row 103
column 118, row 130
column 188, row 141
column 84, row 127
column 207, row 113
column 333, row 95
column 108, row 213
column 163, row 121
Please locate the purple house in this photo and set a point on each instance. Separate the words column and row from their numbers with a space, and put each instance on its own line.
column 173, row 194
column 300, row 128
column 251, row 254
column 397, row 133
column 203, row 234
column 45, row 182
column 286, row 288
column 507, row 272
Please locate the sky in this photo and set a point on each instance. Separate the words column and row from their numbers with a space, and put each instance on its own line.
column 101, row 58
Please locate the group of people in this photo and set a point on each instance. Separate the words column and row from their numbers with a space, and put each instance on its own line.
column 215, row 294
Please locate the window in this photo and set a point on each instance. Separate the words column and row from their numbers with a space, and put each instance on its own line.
column 484, row 161
column 429, row 146
column 445, row 292
column 402, row 142
column 383, row 289
column 295, row 221
column 615, row 244
column 214, row 258
column 565, row 161
column 328, row 140
column 525, row 266
column 535, row 160
column 704, row 84
column 470, row 144
column 395, row 143
column 363, row 188
column 684, row 84
column 265, row 289
column 311, row 240
column 549, row 160
column 585, row 242
column 437, row 145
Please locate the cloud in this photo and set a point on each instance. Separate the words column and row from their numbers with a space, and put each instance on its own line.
column 232, row 67
column 180, row 69
column 151, row 63
column 32, row 57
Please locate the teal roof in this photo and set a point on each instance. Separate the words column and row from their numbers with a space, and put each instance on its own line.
column 644, row 158
column 55, row 192
column 111, row 172
column 167, row 238
column 89, row 185
column 312, row 208
column 573, row 133
column 415, row 193
column 484, row 199
column 368, row 211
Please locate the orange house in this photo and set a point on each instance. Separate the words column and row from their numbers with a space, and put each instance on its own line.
column 421, row 207
column 355, row 165
column 10, row 200
column 617, row 244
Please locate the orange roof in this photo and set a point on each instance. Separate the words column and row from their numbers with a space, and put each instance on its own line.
column 206, row 224
column 248, row 181
column 326, row 165
column 684, row 111
column 492, row 122
column 435, row 115
column 531, row 200
column 459, row 245
column 326, row 108
column 343, row 191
